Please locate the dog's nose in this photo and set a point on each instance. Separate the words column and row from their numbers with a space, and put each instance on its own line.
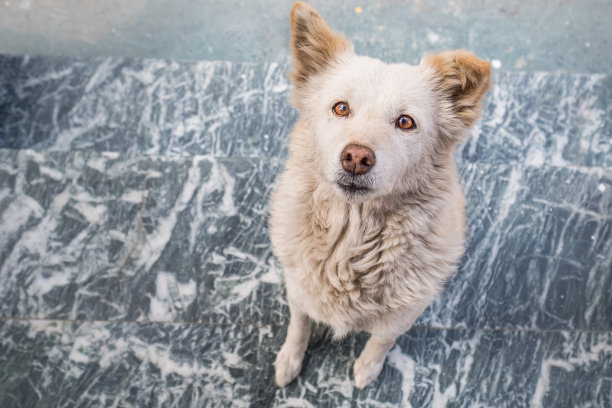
column 357, row 159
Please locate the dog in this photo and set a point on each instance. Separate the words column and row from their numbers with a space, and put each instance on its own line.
column 368, row 218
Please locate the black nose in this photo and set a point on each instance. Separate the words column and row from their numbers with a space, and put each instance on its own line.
column 357, row 159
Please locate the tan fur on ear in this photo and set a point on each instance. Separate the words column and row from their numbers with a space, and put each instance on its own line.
column 313, row 43
column 462, row 78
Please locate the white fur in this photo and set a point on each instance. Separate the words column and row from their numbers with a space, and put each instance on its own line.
column 370, row 261
column 378, row 93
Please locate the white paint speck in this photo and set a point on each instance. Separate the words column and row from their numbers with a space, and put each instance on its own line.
column 601, row 187
column 432, row 37
column 520, row 63
column 587, row 44
column 266, row 136
column 496, row 63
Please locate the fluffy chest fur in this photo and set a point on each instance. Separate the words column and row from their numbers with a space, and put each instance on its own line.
column 349, row 265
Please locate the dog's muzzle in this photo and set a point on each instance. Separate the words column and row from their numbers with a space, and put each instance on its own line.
column 354, row 184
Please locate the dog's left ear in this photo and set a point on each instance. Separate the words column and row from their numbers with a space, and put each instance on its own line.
column 462, row 79
column 314, row 44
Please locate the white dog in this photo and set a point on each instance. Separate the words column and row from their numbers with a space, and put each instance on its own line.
column 368, row 217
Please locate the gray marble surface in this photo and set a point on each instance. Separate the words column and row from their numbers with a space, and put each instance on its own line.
column 62, row 363
column 97, row 236
column 135, row 266
column 239, row 109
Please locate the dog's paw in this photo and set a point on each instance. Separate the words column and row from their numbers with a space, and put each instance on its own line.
column 366, row 370
column 287, row 365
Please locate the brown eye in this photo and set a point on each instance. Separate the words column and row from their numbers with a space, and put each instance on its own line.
column 341, row 109
column 405, row 122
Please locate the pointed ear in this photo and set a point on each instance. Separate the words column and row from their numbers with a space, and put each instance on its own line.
column 463, row 80
column 313, row 43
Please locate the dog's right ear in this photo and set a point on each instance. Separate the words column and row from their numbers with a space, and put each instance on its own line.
column 313, row 43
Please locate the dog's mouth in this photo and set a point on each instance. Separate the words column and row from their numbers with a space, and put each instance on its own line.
column 353, row 185
column 353, row 188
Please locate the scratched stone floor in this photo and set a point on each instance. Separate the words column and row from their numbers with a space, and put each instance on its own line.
column 139, row 142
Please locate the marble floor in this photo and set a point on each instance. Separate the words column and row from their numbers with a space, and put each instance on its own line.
column 135, row 267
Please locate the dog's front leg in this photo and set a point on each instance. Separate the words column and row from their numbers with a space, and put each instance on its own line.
column 384, row 333
column 289, row 359
column 371, row 360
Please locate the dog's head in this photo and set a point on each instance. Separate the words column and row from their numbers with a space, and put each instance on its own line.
column 376, row 127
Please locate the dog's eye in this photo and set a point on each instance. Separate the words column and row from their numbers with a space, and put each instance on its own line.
column 405, row 122
column 341, row 109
